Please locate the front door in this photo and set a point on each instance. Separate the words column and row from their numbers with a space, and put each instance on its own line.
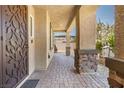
column 15, row 44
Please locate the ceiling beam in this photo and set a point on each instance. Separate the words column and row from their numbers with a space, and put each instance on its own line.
column 59, row 30
column 76, row 9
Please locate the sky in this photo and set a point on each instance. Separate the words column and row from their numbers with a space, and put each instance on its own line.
column 72, row 33
column 105, row 14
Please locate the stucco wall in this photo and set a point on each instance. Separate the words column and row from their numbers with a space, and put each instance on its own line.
column 40, row 37
column 87, row 28
column 31, row 45
column 49, row 51
column 42, row 28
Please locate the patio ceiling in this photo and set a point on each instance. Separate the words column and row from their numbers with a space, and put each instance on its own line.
column 60, row 15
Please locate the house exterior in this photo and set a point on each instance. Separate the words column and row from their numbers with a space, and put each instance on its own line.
column 27, row 44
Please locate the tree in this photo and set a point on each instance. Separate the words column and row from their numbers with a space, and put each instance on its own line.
column 99, row 45
column 111, row 41
column 105, row 36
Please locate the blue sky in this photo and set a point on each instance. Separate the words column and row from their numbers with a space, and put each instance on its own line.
column 72, row 33
column 105, row 14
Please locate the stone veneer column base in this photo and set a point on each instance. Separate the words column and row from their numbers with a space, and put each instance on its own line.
column 86, row 60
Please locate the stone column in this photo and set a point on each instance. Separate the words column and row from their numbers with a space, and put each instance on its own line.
column 86, row 37
column 68, row 43
column 119, row 31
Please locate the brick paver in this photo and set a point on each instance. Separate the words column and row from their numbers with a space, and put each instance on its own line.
column 61, row 74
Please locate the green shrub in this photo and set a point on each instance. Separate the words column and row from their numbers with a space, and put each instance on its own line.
column 99, row 45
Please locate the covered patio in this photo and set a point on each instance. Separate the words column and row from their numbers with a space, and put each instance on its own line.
column 28, row 49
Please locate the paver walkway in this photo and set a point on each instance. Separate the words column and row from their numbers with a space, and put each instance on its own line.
column 61, row 74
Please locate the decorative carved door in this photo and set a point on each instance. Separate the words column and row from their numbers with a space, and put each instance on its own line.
column 15, row 45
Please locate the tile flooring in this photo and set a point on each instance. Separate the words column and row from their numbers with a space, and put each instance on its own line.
column 61, row 74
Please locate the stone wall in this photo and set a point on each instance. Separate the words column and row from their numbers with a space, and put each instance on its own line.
column 119, row 31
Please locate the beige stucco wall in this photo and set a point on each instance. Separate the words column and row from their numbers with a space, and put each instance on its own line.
column 49, row 51
column 31, row 45
column 68, row 39
column 87, row 28
column 42, row 39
